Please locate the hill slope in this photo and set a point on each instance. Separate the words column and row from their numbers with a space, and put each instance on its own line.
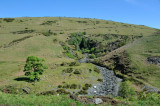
column 23, row 37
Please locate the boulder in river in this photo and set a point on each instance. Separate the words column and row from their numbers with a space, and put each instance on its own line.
column 97, row 101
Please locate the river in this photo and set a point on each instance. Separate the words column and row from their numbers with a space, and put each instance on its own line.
column 110, row 84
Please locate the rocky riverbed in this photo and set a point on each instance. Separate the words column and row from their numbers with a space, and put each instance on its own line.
column 110, row 84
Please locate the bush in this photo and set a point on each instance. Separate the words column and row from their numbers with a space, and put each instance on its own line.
column 66, row 86
column 59, row 86
column 10, row 89
column 75, row 63
column 76, row 72
column 96, row 70
column 126, row 91
column 9, row 19
column 70, row 55
column 84, row 33
column 66, row 48
column 55, row 40
column 52, row 92
column 62, row 91
column 92, row 56
column 100, row 80
column 88, row 85
column 73, row 86
column 90, row 70
column 49, row 22
column 85, row 88
column 49, row 33
column 61, row 33
column 85, row 50
column 82, row 92
column 68, row 70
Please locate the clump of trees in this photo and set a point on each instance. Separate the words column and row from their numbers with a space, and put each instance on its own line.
column 34, row 67
column 82, row 43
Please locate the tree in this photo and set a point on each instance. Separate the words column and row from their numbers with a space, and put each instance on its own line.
column 34, row 67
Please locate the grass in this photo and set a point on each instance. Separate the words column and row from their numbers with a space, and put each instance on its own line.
column 32, row 100
column 12, row 59
column 139, row 52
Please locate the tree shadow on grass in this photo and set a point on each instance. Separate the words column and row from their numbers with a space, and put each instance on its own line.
column 22, row 79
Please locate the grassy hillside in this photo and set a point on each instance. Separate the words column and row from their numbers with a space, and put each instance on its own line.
column 139, row 52
column 45, row 38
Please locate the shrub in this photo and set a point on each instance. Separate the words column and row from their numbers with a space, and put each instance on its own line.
column 79, row 55
column 85, row 50
column 73, row 86
column 62, row 91
column 85, row 88
column 54, row 33
column 96, row 70
column 59, row 86
column 75, row 63
column 90, row 70
column 10, row 89
column 84, row 33
column 100, row 80
column 49, row 22
column 69, row 54
column 92, row 50
column 9, row 19
column 49, row 33
column 52, row 92
column 55, row 40
column 126, row 90
column 61, row 33
column 76, row 72
column 88, row 85
column 92, row 56
column 66, row 86
column 82, row 92
column 66, row 47
column 68, row 70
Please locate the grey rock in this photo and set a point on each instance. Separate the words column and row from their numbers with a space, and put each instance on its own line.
column 26, row 90
column 153, row 60
column 97, row 101
column 150, row 89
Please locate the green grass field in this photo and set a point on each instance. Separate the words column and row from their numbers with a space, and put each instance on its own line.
column 139, row 52
column 24, row 37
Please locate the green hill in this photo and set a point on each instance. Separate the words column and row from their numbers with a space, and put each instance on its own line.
column 47, row 38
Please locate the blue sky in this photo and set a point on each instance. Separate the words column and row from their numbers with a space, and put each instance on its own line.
column 141, row 12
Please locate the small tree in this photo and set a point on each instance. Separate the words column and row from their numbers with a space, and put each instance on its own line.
column 34, row 67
